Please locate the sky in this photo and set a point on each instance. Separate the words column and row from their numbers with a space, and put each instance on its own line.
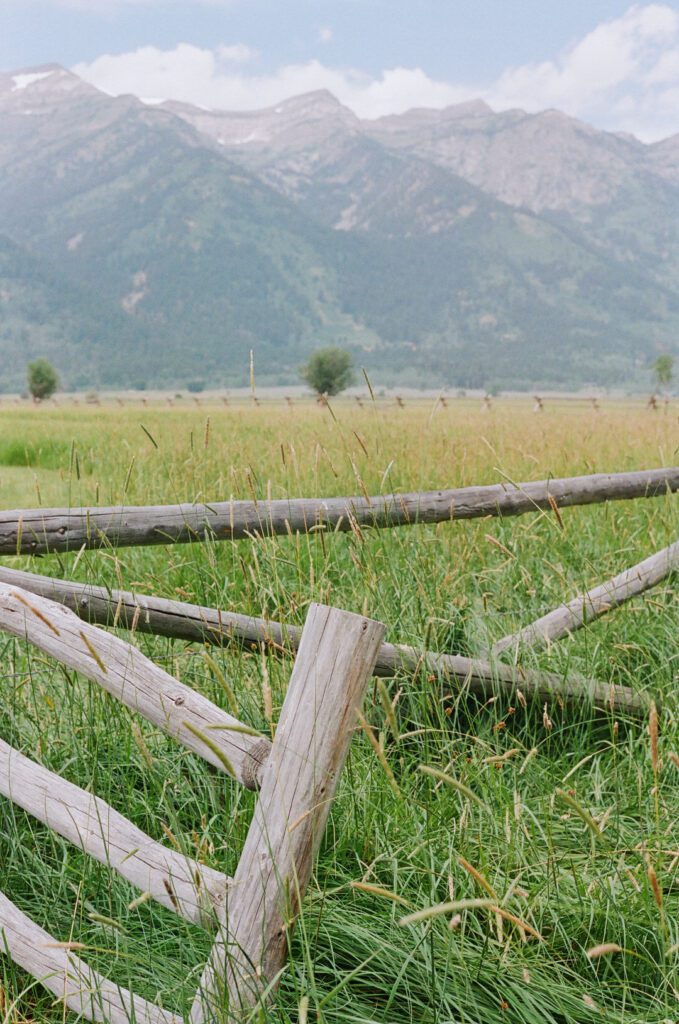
column 613, row 64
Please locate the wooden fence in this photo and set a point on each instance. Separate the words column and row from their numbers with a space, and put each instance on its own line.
column 296, row 774
column 251, row 914
column 177, row 620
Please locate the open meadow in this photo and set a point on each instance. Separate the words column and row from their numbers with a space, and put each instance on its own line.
column 562, row 816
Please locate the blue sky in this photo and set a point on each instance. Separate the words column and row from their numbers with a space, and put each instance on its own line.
column 612, row 63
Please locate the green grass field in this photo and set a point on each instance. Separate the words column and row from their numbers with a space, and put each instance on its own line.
column 577, row 871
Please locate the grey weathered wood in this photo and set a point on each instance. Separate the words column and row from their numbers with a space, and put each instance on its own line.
column 125, row 673
column 68, row 977
column 174, row 880
column 35, row 531
column 178, row 620
column 489, row 678
column 587, row 607
column 332, row 669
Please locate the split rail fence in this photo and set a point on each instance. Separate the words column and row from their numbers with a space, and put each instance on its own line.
column 296, row 774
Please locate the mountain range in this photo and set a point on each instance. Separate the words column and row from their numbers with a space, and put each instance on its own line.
column 157, row 243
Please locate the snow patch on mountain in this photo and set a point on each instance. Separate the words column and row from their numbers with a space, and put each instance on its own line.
column 22, row 82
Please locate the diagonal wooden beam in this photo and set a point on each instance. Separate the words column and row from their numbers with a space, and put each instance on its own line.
column 124, row 672
column 587, row 607
column 176, row 881
column 334, row 663
column 68, row 977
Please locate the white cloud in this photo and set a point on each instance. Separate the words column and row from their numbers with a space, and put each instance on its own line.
column 325, row 34
column 239, row 53
column 204, row 77
column 623, row 75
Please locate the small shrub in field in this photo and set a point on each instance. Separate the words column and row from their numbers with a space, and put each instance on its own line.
column 663, row 368
column 195, row 386
column 328, row 371
column 43, row 379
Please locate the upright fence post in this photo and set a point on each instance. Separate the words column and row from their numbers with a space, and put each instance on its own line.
column 335, row 660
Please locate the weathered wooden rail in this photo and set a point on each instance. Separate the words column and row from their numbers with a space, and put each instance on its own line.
column 172, row 879
column 591, row 605
column 138, row 683
column 178, row 620
column 69, row 978
column 254, row 912
column 38, row 531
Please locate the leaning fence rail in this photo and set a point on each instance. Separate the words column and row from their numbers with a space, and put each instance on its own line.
column 69, row 978
column 38, row 531
column 174, row 880
column 591, row 605
column 178, row 620
column 298, row 773
column 137, row 682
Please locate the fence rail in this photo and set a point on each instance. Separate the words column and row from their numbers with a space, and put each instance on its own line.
column 39, row 531
column 177, row 620
column 596, row 602
column 174, row 880
column 137, row 682
column 69, row 978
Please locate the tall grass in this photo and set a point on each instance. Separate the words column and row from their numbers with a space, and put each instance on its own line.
column 558, row 816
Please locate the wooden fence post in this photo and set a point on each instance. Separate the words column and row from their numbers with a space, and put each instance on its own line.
column 335, row 660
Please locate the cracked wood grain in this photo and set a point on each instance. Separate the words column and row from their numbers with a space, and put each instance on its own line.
column 334, row 663
column 37, row 531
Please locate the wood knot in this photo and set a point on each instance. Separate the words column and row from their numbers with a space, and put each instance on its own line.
column 253, row 762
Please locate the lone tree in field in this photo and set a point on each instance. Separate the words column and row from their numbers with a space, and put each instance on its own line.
column 42, row 379
column 328, row 370
column 662, row 368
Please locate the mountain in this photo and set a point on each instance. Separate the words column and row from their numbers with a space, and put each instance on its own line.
column 131, row 206
column 161, row 243
column 544, row 161
column 42, row 313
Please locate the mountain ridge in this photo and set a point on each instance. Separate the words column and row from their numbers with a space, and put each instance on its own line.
column 459, row 245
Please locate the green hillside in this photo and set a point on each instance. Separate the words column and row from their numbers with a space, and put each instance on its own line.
column 42, row 313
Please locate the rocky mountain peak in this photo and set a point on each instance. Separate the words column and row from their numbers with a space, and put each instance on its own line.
column 428, row 117
column 39, row 90
column 296, row 123
column 41, row 80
